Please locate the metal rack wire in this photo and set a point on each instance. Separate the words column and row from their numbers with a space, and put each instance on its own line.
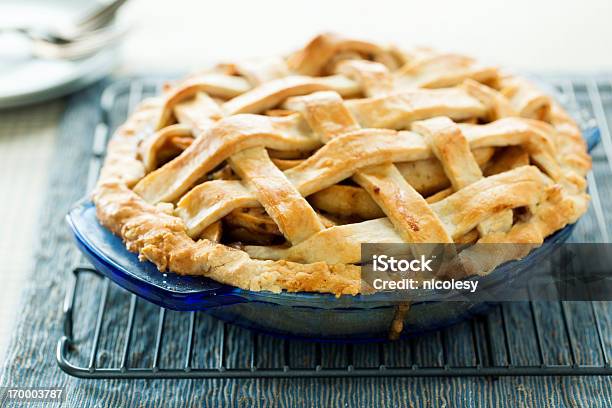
column 488, row 343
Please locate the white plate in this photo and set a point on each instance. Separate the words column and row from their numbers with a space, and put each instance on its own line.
column 24, row 79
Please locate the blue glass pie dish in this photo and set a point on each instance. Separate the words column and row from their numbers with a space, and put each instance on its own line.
column 313, row 316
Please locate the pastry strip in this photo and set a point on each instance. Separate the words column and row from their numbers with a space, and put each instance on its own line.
column 200, row 113
column 374, row 78
column 441, row 71
column 291, row 212
column 399, row 110
column 325, row 113
column 151, row 147
column 260, row 70
column 225, row 86
column 317, row 54
column 231, row 135
column 406, row 208
column 452, row 149
column 517, row 131
column 273, row 93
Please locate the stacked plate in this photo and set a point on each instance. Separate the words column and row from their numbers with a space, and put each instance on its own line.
column 25, row 79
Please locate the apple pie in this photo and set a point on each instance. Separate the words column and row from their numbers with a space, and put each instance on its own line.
column 269, row 174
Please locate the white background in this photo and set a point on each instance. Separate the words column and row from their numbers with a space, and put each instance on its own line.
column 538, row 35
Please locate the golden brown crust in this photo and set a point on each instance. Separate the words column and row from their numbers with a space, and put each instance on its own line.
column 321, row 138
column 162, row 239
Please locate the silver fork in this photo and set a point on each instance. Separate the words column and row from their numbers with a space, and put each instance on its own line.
column 100, row 16
column 83, row 46
column 85, row 36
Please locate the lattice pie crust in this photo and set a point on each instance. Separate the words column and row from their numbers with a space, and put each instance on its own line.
column 268, row 174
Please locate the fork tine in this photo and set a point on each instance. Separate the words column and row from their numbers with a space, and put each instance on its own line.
column 83, row 47
column 100, row 16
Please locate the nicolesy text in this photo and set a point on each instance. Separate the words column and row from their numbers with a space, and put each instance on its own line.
column 429, row 284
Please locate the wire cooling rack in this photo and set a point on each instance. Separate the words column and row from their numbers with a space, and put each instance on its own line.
column 110, row 333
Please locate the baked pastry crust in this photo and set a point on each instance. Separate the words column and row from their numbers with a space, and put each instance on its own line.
column 342, row 142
